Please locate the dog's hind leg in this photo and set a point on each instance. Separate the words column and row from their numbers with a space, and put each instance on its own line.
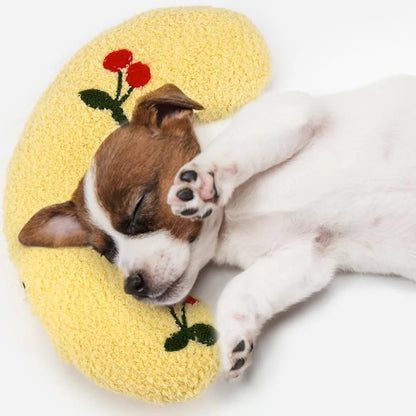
column 272, row 284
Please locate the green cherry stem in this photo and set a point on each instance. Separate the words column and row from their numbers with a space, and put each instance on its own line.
column 178, row 322
column 126, row 95
column 184, row 322
column 119, row 84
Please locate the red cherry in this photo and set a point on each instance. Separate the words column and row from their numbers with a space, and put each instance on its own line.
column 138, row 74
column 117, row 60
column 191, row 300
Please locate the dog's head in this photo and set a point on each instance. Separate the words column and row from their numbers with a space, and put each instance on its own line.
column 119, row 207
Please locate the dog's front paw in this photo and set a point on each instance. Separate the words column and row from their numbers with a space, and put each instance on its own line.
column 238, row 332
column 200, row 187
column 194, row 193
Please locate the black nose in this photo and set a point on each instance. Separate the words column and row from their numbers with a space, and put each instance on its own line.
column 135, row 285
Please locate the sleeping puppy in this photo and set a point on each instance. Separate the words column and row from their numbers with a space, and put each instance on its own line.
column 290, row 189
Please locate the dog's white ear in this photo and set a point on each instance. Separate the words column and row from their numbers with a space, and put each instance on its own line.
column 54, row 226
column 167, row 101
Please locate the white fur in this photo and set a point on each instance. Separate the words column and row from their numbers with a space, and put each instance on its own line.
column 310, row 185
column 307, row 186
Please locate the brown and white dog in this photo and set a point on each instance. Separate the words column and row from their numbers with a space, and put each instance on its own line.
column 291, row 189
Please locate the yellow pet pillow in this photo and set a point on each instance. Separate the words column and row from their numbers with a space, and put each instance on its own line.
column 158, row 354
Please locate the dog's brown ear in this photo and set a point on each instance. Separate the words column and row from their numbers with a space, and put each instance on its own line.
column 54, row 226
column 167, row 101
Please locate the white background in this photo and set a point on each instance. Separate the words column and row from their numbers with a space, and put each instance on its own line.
column 348, row 351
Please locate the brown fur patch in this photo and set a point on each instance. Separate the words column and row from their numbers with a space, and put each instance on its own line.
column 142, row 158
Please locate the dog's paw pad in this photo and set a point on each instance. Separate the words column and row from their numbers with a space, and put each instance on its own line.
column 185, row 194
column 193, row 194
column 241, row 346
column 189, row 211
column 239, row 359
column 188, row 176
column 203, row 184
column 238, row 364
column 207, row 213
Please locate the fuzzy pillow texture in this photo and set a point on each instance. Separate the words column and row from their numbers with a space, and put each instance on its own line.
column 159, row 354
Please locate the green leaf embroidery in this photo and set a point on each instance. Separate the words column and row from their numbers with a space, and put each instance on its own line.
column 100, row 100
column 119, row 116
column 203, row 333
column 177, row 341
column 97, row 99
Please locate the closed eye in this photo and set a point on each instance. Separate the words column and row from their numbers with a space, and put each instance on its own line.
column 138, row 208
column 134, row 225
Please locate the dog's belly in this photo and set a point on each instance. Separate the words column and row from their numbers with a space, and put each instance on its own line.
column 357, row 179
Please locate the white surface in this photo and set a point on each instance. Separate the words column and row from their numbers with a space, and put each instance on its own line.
column 349, row 350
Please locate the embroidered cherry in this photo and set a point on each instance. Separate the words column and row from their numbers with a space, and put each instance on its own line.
column 191, row 300
column 117, row 60
column 138, row 75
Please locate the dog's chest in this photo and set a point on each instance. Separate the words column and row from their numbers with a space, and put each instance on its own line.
column 255, row 227
column 242, row 241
